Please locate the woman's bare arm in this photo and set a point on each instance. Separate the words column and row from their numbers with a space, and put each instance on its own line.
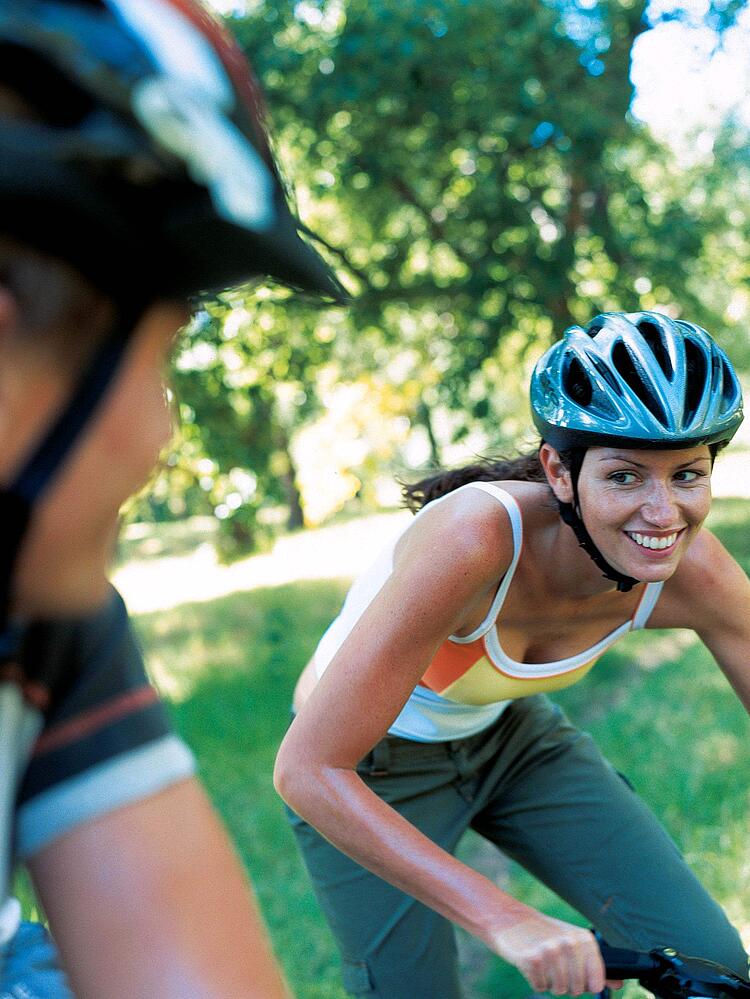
column 447, row 563
column 151, row 900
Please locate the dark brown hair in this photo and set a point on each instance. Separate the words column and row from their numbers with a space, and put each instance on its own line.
column 522, row 468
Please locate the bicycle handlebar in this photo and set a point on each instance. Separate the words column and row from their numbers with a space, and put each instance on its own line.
column 671, row 975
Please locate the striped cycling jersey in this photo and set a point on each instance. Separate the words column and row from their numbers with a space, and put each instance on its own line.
column 471, row 679
column 106, row 739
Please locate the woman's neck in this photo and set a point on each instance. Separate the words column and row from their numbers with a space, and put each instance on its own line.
column 570, row 573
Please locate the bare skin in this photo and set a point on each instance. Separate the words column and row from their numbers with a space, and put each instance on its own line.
column 447, row 569
column 155, row 899
column 65, row 557
column 148, row 899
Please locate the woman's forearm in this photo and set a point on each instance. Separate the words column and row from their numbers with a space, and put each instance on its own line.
column 550, row 953
column 344, row 810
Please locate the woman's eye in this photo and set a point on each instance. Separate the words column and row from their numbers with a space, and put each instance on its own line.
column 623, row 478
column 689, row 475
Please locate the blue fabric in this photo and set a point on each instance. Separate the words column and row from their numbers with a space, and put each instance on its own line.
column 30, row 967
column 99, row 790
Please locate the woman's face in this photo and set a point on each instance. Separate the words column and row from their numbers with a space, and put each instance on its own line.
column 64, row 561
column 643, row 508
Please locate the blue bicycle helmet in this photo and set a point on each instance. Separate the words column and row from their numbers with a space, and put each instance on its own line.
column 637, row 379
column 640, row 380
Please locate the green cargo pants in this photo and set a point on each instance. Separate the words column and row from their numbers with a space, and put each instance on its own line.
column 540, row 790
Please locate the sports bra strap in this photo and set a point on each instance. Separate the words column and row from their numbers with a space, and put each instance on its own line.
column 647, row 603
column 642, row 613
column 514, row 512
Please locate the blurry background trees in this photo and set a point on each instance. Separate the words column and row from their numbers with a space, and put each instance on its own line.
column 479, row 182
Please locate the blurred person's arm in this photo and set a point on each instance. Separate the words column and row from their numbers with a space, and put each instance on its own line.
column 151, row 900
column 143, row 890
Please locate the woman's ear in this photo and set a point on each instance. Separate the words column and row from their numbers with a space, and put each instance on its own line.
column 558, row 476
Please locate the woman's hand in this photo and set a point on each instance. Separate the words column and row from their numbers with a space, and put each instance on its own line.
column 552, row 955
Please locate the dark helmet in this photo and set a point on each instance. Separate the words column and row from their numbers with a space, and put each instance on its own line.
column 132, row 146
column 640, row 380
column 637, row 379
column 139, row 153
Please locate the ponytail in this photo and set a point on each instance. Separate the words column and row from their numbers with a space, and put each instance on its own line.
column 523, row 468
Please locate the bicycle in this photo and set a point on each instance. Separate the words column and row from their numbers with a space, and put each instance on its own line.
column 671, row 975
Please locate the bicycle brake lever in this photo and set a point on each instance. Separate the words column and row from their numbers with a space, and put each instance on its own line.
column 692, row 977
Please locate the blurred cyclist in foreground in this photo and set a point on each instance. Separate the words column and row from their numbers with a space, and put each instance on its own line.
column 134, row 175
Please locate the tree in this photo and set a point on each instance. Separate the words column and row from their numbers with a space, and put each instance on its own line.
column 477, row 179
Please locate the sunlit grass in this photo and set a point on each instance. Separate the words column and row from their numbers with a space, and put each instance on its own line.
column 236, row 661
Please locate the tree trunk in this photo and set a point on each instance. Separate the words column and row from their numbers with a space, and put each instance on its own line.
column 424, row 418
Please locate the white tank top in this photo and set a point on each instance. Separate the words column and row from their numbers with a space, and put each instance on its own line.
column 471, row 680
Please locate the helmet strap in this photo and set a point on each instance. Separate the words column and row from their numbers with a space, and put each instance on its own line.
column 18, row 498
column 570, row 513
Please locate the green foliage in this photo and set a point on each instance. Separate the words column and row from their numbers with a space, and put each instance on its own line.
column 479, row 183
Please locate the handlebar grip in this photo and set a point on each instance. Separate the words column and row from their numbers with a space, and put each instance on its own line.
column 621, row 963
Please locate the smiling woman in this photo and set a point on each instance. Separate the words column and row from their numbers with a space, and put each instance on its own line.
column 658, row 500
column 423, row 710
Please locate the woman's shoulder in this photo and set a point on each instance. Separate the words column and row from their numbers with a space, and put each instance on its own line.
column 704, row 584
column 703, row 563
column 469, row 522
column 483, row 503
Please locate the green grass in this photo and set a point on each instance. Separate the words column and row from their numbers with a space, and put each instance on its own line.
column 231, row 666
column 657, row 705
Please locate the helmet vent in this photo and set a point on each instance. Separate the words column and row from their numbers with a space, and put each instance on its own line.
column 577, row 383
column 695, row 378
column 607, row 375
column 728, row 386
column 653, row 337
column 627, row 370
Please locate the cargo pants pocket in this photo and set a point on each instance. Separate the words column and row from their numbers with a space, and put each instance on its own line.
column 356, row 978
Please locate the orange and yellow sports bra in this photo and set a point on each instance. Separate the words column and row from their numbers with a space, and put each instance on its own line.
column 471, row 680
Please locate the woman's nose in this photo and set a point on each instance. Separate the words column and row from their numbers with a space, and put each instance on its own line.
column 660, row 508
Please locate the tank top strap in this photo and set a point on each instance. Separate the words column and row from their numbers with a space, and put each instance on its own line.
column 646, row 604
column 516, row 523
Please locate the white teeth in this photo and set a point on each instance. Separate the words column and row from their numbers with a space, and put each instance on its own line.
column 651, row 541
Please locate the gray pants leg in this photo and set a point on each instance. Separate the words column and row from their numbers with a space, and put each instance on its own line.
column 541, row 791
column 569, row 818
column 392, row 947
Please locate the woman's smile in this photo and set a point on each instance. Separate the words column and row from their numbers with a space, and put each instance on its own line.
column 655, row 545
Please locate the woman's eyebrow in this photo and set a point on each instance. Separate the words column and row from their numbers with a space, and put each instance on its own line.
column 621, row 457
column 630, row 461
